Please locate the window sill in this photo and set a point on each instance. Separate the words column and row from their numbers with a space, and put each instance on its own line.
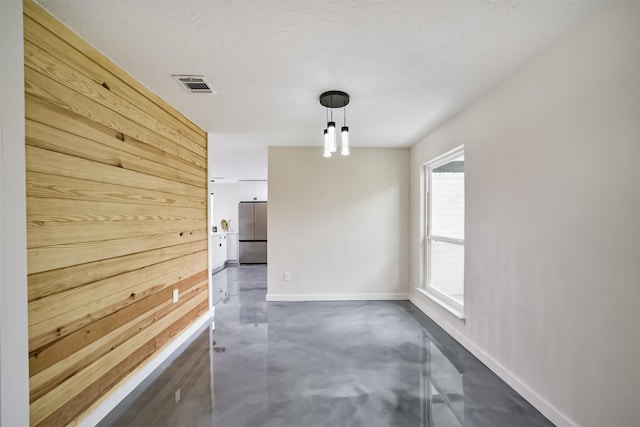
column 435, row 297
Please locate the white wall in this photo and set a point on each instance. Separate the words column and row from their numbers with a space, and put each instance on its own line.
column 338, row 225
column 14, row 378
column 237, row 161
column 552, row 163
column 226, row 199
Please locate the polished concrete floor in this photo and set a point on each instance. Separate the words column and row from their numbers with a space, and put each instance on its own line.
column 313, row 364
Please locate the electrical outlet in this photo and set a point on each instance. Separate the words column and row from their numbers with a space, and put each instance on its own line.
column 175, row 296
column 177, row 396
column 287, row 276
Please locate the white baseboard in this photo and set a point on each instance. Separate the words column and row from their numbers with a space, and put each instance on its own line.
column 336, row 297
column 547, row 409
column 96, row 414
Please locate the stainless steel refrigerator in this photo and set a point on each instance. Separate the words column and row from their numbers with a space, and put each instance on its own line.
column 253, row 232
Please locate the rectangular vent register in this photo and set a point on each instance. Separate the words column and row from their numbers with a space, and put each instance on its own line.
column 194, row 84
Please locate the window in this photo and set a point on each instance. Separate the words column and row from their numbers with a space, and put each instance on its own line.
column 444, row 226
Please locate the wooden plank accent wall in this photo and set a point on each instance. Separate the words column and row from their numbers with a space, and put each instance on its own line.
column 116, row 220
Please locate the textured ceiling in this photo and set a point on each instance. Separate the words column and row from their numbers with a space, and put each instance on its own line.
column 407, row 64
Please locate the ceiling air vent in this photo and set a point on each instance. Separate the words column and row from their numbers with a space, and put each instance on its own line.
column 194, row 84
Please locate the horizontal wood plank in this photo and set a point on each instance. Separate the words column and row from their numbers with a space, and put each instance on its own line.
column 71, row 363
column 56, row 281
column 44, row 87
column 43, row 210
column 125, row 288
column 57, row 352
column 40, row 185
column 42, row 136
column 51, row 233
column 52, row 163
column 46, row 113
column 60, row 314
column 60, row 256
column 46, row 64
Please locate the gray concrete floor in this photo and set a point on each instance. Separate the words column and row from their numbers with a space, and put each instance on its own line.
column 308, row 364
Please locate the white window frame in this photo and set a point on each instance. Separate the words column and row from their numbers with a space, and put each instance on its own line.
column 440, row 298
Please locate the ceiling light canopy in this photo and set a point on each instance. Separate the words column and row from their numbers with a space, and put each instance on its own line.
column 331, row 100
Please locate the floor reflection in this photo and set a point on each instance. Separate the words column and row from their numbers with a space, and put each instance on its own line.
column 178, row 393
column 314, row 364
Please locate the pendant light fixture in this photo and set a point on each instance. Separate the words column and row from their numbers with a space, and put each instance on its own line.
column 335, row 99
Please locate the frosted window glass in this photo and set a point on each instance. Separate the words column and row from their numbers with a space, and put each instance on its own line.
column 447, row 269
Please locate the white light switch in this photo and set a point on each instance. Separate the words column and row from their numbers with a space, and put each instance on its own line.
column 175, row 296
column 287, row 276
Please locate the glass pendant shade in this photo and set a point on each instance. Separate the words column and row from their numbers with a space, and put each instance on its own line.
column 345, row 141
column 331, row 128
column 327, row 148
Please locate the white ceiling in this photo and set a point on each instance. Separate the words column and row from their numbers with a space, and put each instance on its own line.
column 407, row 64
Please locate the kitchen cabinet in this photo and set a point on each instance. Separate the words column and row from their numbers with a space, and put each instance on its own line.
column 232, row 247
column 219, row 250
column 249, row 191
